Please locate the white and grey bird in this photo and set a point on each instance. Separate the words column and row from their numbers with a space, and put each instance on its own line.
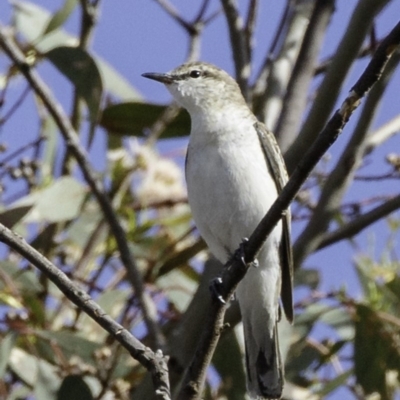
column 234, row 172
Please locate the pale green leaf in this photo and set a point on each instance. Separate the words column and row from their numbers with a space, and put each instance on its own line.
column 60, row 16
column 6, row 346
column 133, row 118
column 60, row 201
column 81, row 69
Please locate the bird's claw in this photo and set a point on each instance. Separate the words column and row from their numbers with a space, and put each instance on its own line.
column 240, row 254
column 215, row 286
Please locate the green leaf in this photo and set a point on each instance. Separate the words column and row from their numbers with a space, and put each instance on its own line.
column 81, row 69
column 59, row 202
column 71, row 343
column 60, row 16
column 6, row 345
column 335, row 383
column 46, row 383
column 340, row 319
column 74, row 387
column 376, row 350
column 31, row 20
column 11, row 217
column 306, row 276
column 133, row 118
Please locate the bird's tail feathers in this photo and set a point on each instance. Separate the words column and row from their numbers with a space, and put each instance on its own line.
column 264, row 367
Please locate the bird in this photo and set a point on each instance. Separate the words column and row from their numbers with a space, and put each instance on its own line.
column 234, row 172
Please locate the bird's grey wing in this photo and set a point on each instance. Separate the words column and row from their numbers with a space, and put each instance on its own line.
column 277, row 167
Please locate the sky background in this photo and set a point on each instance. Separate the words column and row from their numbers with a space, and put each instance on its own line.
column 138, row 36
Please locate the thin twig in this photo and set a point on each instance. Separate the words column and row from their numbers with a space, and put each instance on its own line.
column 355, row 226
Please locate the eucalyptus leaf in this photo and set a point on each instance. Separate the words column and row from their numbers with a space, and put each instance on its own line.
column 6, row 345
column 74, row 387
column 60, row 16
column 81, row 69
column 60, row 201
column 46, row 383
column 133, row 118
column 12, row 216
column 71, row 343
column 376, row 350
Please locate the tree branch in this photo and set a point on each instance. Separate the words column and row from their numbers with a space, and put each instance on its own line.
column 295, row 100
column 269, row 103
column 233, row 271
column 155, row 363
column 328, row 91
column 238, row 45
column 355, row 226
column 72, row 142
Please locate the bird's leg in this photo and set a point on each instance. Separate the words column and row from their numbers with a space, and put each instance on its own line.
column 216, row 283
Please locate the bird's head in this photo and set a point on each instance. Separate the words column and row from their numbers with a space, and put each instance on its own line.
column 200, row 86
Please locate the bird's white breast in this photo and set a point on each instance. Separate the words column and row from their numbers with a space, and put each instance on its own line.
column 229, row 185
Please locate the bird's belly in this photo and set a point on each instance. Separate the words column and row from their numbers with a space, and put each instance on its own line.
column 230, row 190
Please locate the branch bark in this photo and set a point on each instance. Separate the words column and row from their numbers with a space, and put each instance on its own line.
column 295, row 100
column 355, row 226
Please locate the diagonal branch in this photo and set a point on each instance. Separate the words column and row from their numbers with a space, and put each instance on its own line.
column 233, row 272
column 156, row 363
column 358, row 224
column 96, row 185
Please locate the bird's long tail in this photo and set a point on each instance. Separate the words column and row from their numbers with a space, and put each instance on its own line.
column 264, row 364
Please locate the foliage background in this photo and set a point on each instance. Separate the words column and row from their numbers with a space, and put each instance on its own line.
column 344, row 343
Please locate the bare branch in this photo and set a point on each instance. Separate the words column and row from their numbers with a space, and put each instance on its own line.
column 233, row 271
column 355, row 226
column 347, row 52
column 155, row 363
column 385, row 132
column 295, row 100
column 72, row 141
column 269, row 103
column 172, row 11
column 262, row 76
column 250, row 26
column 238, row 45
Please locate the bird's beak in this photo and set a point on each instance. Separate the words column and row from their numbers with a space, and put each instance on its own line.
column 163, row 78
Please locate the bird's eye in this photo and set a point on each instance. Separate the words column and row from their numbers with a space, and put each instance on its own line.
column 195, row 73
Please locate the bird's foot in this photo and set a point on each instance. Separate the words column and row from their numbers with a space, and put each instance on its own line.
column 240, row 254
column 215, row 288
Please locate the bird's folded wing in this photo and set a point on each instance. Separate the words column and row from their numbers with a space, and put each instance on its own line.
column 277, row 167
